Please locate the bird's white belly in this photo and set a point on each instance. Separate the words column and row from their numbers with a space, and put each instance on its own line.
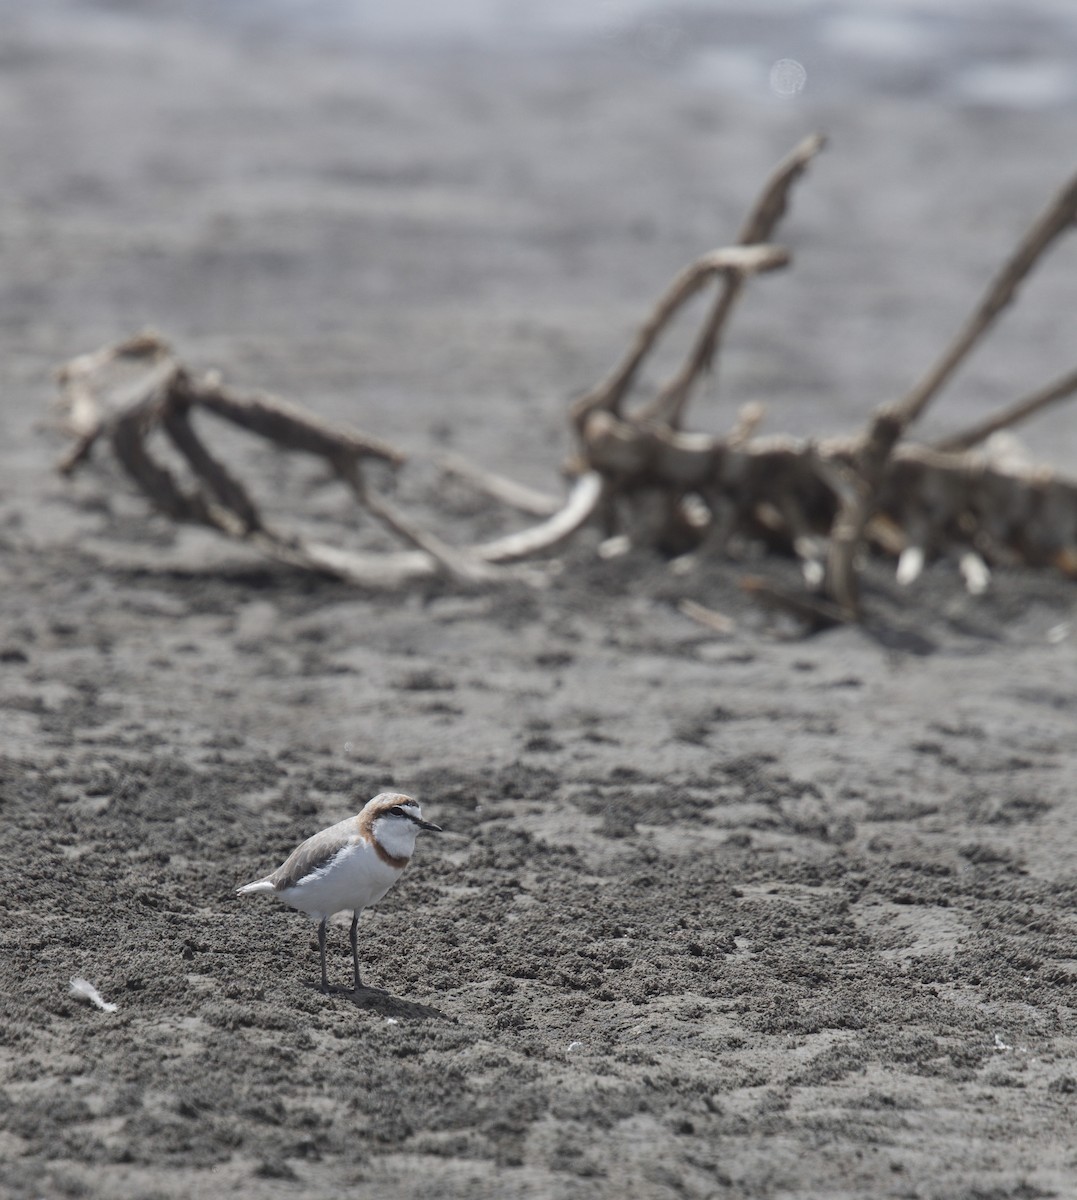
column 356, row 878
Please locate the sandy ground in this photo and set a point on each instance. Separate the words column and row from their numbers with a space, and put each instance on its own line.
column 720, row 916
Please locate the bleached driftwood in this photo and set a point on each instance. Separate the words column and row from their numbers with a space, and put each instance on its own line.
column 876, row 446
column 637, row 470
column 163, row 396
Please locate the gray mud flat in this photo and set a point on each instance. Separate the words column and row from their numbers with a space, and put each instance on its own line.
column 722, row 917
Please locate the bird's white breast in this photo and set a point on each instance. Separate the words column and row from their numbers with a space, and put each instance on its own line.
column 356, row 878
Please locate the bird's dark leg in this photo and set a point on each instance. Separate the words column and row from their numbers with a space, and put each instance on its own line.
column 355, row 952
column 321, row 947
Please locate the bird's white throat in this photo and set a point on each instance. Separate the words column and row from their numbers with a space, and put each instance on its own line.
column 396, row 837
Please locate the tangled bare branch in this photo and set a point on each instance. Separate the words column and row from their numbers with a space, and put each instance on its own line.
column 649, row 480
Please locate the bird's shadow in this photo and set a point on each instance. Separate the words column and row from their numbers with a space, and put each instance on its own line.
column 380, row 1001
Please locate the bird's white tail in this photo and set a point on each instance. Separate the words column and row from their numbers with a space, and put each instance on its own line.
column 259, row 885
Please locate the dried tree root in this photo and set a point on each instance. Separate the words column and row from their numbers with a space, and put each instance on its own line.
column 83, row 418
column 670, row 404
column 732, row 261
column 599, row 418
column 890, row 423
column 822, row 501
column 649, row 480
column 582, row 503
column 506, row 491
column 164, row 395
column 1022, row 410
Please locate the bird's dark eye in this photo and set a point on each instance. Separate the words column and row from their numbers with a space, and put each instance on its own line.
column 398, row 811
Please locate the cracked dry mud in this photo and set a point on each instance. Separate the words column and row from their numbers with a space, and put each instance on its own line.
column 723, row 916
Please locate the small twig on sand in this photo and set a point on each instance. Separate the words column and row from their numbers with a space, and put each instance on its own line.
column 816, row 613
column 709, row 618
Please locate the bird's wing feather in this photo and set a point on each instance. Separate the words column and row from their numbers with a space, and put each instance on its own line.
column 314, row 855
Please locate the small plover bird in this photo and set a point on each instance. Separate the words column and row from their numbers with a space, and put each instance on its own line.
column 350, row 865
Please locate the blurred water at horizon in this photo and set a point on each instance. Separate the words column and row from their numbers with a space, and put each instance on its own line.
column 1009, row 54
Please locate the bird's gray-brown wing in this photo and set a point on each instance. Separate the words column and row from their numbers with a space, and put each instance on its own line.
column 315, row 854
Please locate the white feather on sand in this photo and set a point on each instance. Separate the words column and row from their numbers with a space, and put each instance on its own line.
column 86, row 991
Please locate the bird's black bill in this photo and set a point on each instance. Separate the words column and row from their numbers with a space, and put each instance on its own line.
column 429, row 826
